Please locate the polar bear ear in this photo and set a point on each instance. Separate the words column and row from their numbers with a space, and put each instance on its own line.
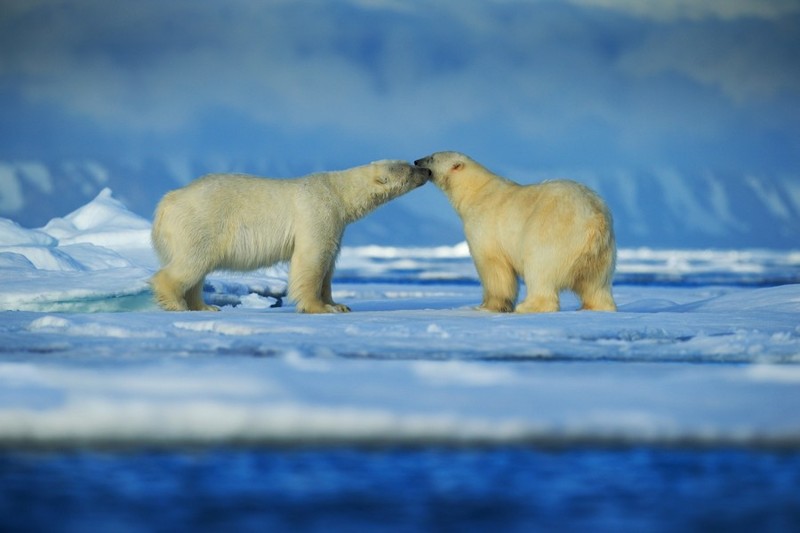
column 382, row 179
column 458, row 165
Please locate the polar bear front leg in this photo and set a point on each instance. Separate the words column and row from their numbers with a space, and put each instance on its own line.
column 327, row 291
column 308, row 275
column 499, row 282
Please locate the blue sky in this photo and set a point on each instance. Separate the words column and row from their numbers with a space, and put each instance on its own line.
column 536, row 84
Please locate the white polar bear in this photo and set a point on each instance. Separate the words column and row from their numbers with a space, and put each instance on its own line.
column 240, row 222
column 555, row 235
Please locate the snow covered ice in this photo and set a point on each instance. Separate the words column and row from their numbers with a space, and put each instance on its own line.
column 705, row 350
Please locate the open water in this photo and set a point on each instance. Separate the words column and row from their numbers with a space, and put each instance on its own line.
column 401, row 489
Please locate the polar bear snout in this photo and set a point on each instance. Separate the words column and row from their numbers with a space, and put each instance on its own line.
column 435, row 165
column 415, row 176
column 420, row 175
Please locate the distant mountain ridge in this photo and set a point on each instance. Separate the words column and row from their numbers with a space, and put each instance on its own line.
column 654, row 208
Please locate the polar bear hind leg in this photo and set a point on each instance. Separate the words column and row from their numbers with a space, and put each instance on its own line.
column 168, row 291
column 540, row 299
column 594, row 289
column 544, row 279
column 178, row 289
column 596, row 299
column 194, row 299
column 593, row 272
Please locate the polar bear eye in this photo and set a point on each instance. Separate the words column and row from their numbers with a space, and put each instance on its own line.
column 458, row 165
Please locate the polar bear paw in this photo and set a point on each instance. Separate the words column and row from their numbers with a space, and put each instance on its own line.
column 323, row 308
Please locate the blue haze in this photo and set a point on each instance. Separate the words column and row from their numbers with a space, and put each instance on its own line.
column 684, row 115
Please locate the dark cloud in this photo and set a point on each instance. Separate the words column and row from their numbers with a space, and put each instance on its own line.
column 584, row 82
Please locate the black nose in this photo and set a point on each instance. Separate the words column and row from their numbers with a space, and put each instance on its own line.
column 418, row 162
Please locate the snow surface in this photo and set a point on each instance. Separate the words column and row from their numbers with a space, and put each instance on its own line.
column 705, row 350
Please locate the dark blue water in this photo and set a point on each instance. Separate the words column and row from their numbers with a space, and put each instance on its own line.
column 429, row 489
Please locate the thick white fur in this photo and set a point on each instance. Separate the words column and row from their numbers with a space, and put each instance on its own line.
column 554, row 235
column 240, row 222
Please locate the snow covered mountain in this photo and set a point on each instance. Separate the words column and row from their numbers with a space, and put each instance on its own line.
column 654, row 208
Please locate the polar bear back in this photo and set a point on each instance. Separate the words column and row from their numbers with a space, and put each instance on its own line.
column 563, row 208
column 557, row 213
column 229, row 221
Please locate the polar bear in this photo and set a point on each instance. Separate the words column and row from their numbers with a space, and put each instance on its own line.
column 241, row 222
column 555, row 235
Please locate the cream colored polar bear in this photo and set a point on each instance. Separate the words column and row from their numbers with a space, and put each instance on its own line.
column 240, row 222
column 555, row 235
